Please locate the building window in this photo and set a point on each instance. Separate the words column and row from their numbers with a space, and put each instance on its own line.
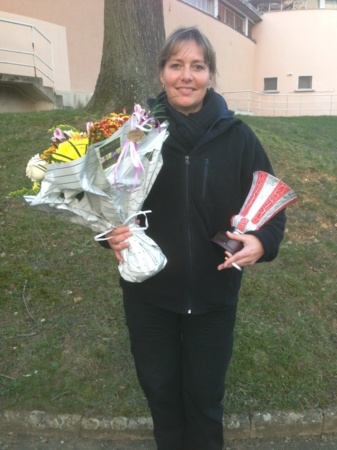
column 226, row 15
column 230, row 18
column 270, row 84
column 203, row 5
column 331, row 4
column 238, row 23
column 305, row 82
column 279, row 5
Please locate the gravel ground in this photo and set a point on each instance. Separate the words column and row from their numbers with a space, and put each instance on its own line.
column 23, row 442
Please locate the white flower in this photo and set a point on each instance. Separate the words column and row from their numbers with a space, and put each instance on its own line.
column 36, row 168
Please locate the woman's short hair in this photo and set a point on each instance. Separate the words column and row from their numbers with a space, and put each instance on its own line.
column 181, row 35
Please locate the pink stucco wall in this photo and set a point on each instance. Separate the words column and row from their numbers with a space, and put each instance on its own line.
column 20, row 38
column 286, row 45
column 297, row 43
column 82, row 21
column 76, row 29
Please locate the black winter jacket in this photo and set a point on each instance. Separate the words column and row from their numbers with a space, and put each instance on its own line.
column 196, row 193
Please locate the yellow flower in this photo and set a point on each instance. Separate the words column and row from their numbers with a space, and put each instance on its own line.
column 77, row 135
column 36, row 187
column 70, row 150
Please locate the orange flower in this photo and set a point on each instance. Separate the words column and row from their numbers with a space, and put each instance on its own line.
column 46, row 155
column 107, row 126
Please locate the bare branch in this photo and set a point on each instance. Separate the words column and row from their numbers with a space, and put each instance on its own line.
column 27, row 335
column 6, row 376
column 24, row 299
column 37, row 231
column 61, row 395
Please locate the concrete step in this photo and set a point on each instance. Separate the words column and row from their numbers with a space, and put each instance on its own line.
column 32, row 88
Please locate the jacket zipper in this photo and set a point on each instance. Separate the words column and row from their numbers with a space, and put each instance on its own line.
column 189, row 240
column 205, row 177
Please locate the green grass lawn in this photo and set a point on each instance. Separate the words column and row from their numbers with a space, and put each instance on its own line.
column 63, row 341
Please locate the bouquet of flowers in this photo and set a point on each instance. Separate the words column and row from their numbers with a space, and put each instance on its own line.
column 102, row 184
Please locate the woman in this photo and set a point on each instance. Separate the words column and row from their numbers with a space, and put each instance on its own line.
column 181, row 320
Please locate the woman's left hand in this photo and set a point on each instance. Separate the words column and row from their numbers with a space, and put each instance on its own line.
column 252, row 251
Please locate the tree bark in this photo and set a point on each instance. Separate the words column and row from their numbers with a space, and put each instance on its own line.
column 133, row 35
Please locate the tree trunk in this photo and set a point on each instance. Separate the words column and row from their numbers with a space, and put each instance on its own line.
column 133, row 35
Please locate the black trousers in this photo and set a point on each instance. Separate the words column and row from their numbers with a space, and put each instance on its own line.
column 181, row 363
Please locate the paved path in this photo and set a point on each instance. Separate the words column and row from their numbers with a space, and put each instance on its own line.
column 22, row 442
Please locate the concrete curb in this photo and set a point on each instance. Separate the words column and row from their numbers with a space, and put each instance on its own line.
column 236, row 426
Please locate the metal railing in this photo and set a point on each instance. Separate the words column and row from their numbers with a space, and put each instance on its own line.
column 269, row 104
column 38, row 64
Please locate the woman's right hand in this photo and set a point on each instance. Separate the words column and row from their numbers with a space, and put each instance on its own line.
column 117, row 240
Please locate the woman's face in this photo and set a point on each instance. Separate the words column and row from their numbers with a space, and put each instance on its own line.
column 186, row 77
